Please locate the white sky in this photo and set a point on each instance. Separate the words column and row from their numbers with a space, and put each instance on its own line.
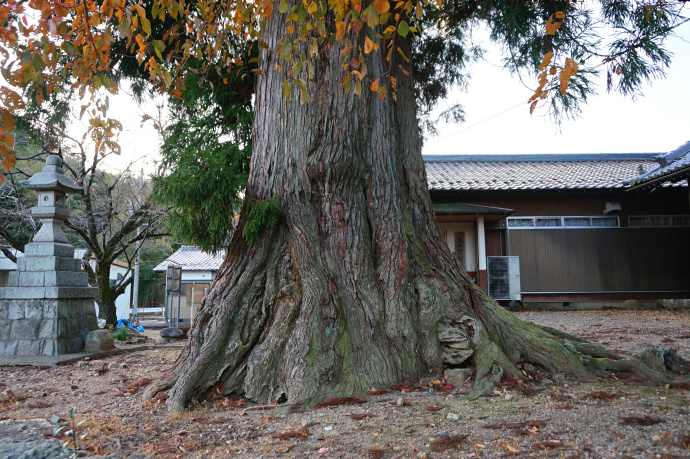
column 657, row 122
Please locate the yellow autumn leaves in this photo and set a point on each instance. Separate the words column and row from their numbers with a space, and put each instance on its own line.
column 548, row 71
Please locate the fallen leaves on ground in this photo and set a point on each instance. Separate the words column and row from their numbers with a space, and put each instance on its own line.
column 562, row 407
column 10, row 398
column 410, row 388
column 680, row 385
column 640, row 420
column 443, row 386
column 510, row 448
column 518, row 385
column 104, row 369
column 375, row 391
column 604, row 395
column 517, row 425
column 167, row 447
column 37, row 404
column 360, row 416
column 548, row 444
column 134, row 388
column 300, row 434
column 207, row 419
column 229, row 403
column 378, row 453
column 446, row 443
column 433, row 408
column 335, row 401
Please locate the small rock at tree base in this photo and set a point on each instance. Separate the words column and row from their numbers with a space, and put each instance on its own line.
column 172, row 333
column 453, row 416
column 99, row 340
column 457, row 376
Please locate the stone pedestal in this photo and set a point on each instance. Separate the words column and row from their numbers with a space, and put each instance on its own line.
column 48, row 307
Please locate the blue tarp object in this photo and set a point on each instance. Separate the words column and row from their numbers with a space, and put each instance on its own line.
column 124, row 323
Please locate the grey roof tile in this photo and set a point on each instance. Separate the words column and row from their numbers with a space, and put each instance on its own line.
column 192, row 259
column 670, row 163
column 535, row 172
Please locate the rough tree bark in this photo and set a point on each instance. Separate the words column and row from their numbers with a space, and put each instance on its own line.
column 353, row 288
column 108, row 294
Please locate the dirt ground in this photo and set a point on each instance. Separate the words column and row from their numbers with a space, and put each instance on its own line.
column 555, row 417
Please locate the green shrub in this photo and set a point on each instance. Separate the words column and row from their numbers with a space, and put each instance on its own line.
column 123, row 334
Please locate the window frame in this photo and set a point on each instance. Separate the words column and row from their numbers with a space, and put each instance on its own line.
column 671, row 218
column 562, row 222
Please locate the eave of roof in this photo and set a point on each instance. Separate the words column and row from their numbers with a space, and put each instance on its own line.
column 673, row 166
column 192, row 259
column 122, row 264
column 470, row 209
column 535, row 157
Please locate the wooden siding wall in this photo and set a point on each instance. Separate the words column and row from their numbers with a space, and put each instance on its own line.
column 665, row 201
column 602, row 260
column 495, row 242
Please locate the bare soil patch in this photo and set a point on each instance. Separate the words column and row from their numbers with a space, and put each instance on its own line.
column 615, row 416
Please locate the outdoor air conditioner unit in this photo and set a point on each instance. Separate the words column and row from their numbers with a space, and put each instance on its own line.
column 503, row 274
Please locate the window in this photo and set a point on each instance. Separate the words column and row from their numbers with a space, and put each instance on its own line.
column 521, row 222
column 638, row 221
column 563, row 222
column 658, row 221
column 541, row 222
column 604, row 222
column 577, row 222
column 681, row 221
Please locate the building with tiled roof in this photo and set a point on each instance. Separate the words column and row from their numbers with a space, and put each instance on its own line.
column 565, row 227
column 671, row 167
column 536, row 172
column 192, row 258
column 189, row 273
column 561, row 229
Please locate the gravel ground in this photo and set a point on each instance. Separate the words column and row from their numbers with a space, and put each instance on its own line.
column 563, row 418
column 627, row 332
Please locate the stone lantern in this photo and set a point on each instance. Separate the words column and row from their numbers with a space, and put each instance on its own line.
column 52, row 188
column 48, row 307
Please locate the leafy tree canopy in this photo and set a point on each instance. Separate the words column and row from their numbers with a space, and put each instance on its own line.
column 206, row 150
column 49, row 47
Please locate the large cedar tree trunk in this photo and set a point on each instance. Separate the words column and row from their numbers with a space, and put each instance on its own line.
column 353, row 288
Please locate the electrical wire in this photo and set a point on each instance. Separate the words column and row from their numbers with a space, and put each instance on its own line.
column 518, row 105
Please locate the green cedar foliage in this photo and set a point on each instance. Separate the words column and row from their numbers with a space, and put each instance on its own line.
column 206, row 151
column 260, row 215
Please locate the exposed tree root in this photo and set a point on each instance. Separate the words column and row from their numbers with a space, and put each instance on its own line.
column 514, row 341
column 495, row 345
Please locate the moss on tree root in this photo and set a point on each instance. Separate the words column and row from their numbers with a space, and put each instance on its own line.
column 499, row 341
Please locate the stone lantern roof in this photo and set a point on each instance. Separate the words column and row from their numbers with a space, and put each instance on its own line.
column 51, row 178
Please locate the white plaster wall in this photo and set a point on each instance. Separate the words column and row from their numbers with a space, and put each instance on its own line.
column 470, row 241
column 122, row 305
column 196, row 276
column 122, row 309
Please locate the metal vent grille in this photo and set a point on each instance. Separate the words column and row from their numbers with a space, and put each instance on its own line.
column 503, row 275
